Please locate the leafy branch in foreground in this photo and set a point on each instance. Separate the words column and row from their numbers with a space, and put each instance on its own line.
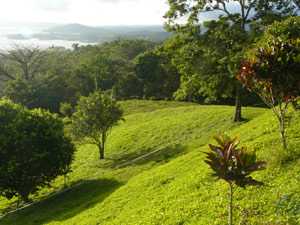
column 233, row 165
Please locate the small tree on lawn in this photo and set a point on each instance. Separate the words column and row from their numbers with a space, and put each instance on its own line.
column 34, row 150
column 94, row 118
column 274, row 74
column 233, row 165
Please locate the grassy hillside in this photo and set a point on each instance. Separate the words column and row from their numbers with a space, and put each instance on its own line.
column 173, row 185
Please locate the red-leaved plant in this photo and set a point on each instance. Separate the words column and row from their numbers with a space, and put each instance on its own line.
column 274, row 74
column 233, row 165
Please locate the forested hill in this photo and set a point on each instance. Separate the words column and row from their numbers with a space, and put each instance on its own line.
column 76, row 28
column 83, row 29
column 78, row 32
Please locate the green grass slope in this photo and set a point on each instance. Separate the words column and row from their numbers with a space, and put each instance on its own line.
column 173, row 186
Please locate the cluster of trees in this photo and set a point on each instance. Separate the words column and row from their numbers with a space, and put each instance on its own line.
column 35, row 149
column 200, row 63
column 47, row 78
column 209, row 61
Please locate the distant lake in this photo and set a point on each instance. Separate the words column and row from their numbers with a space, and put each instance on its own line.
column 6, row 43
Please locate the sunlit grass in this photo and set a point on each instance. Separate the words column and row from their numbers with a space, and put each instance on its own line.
column 173, row 186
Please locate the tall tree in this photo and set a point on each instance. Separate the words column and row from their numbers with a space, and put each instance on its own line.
column 22, row 62
column 239, row 17
column 158, row 77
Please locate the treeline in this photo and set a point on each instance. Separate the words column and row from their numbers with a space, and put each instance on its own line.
column 128, row 69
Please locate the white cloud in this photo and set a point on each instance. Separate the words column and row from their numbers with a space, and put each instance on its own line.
column 88, row 12
column 51, row 5
column 109, row 1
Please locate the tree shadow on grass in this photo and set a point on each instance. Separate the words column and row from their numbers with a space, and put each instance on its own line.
column 67, row 204
column 162, row 156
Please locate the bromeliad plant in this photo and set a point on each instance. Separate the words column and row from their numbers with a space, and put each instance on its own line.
column 233, row 165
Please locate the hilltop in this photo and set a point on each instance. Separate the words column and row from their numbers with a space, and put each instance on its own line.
column 75, row 28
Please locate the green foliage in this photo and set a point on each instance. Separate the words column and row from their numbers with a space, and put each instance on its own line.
column 286, row 29
column 209, row 61
column 129, row 87
column 46, row 94
column 231, row 164
column 159, row 79
column 33, row 151
column 273, row 72
column 94, row 118
column 221, row 48
column 64, row 75
column 23, row 62
column 66, row 109
column 19, row 91
column 265, row 11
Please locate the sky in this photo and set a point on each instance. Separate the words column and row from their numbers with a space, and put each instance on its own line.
column 87, row 12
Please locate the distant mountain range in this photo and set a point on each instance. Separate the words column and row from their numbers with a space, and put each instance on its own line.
column 82, row 33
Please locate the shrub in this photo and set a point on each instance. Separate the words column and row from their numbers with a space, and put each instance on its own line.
column 34, row 149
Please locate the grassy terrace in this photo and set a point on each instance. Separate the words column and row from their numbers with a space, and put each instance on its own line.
column 173, row 186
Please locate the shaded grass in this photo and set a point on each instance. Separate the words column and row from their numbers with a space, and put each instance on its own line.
column 76, row 200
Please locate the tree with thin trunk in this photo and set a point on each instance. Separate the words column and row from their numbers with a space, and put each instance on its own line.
column 26, row 59
column 233, row 165
column 94, row 119
column 273, row 69
column 274, row 75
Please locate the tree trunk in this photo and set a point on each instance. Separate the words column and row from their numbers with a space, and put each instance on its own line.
column 101, row 152
column 230, row 205
column 282, row 132
column 238, row 105
column 26, row 75
column 24, row 197
column 103, row 139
